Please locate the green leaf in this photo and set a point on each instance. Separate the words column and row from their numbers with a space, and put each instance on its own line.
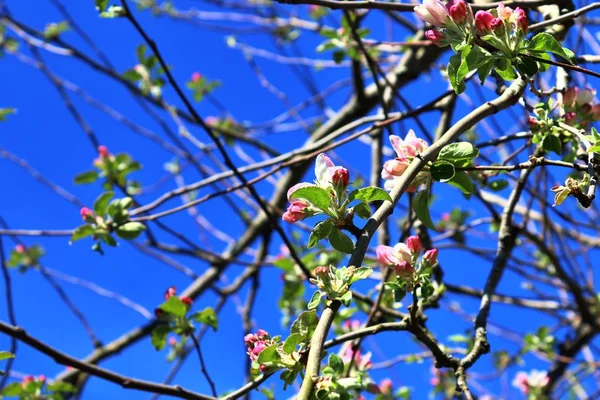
column 336, row 363
column 453, row 72
column 292, row 342
column 61, row 387
column 369, row 194
column 338, row 56
column 442, row 171
column 340, row 241
column 361, row 273
column 174, row 306
column 87, row 177
column 317, row 196
column 269, row 354
column 159, row 336
column 81, row 232
column 346, row 298
column 463, row 182
column 362, row 210
column 498, row 185
column 4, row 355
column 421, row 209
column 595, row 148
column 552, row 143
column 527, row 66
column 320, row 231
column 315, row 300
column 130, row 230
column 12, row 390
column 208, row 317
column 546, row 42
column 305, row 324
column 484, row 70
column 101, row 203
column 101, row 5
column 5, row 112
column 458, row 151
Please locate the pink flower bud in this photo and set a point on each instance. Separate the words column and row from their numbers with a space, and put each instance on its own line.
column 196, row 76
column 430, row 256
column 483, row 21
column 171, row 291
column 386, row 386
column 20, row 249
column 340, row 177
column 250, row 339
column 187, row 301
column 504, row 13
column 414, row 244
column 436, row 37
column 86, row 214
column 497, row 26
column 570, row 118
column 390, row 256
column 459, row 11
column 103, row 151
column 532, row 121
column 522, row 22
column 26, row 381
column 296, row 211
column 434, row 12
column 172, row 341
column 41, row 378
column 261, row 333
column 321, row 272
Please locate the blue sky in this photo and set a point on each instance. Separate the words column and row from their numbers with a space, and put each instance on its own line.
column 45, row 134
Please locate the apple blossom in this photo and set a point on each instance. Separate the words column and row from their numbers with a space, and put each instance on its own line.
column 433, row 12
column 483, row 21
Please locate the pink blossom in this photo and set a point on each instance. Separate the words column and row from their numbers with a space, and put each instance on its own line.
column 569, row 96
column 570, row 118
column 322, row 164
column 103, row 151
column 520, row 382
column 340, row 177
column 414, row 244
column 86, row 213
column 172, row 341
column 410, row 146
column 386, row 386
column 521, row 19
column 497, row 25
column 321, row 272
column 504, row 12
column 391, row 256
column 20, row 249
column 403, row 268
column 430, row 256
column 434, row 12
column 459, row 11
column 395, row 167
column 26, row 381
column 483, row 21
column 187, row 301
column 170, row 292
column 196, row 76
column 585, row 96
column 296, row 211
column 41, row 378
column 436, row 37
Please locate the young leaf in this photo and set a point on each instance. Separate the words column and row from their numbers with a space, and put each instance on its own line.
column 6, row 111
column 340, row 241
column 174, row 306
column 369, row 194
column 315, row 300
column 159, row 336
column 552, row 143
column 361, row 273
column 101, row 203
column 442, row 171
column 87, row 177
column 362, row 210
column 208, row 317
column 453, row 67
column 130, row 230
column 463, row 182
column 458, row 151
column 292, row 342
column 336, row 363
column 81, row 232
column 305, row 324
column 546, row 42
column 320, row 231
column 421, row 209
column 4, row 355
column 269, row 354
column 319, row 197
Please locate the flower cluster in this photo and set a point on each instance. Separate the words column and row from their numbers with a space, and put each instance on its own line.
column 362, row 362
column 503, row 27
column 406, row 151
column 578, row 107
column 453, row 20
column 330, row 177
column 530, row 382
column 29, row 379
column 404, row 257
column 256, row 343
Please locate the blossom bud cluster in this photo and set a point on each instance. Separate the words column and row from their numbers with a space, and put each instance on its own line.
column 579, row 108
column 403, row 257
column 256, row 343
column 406, row 150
